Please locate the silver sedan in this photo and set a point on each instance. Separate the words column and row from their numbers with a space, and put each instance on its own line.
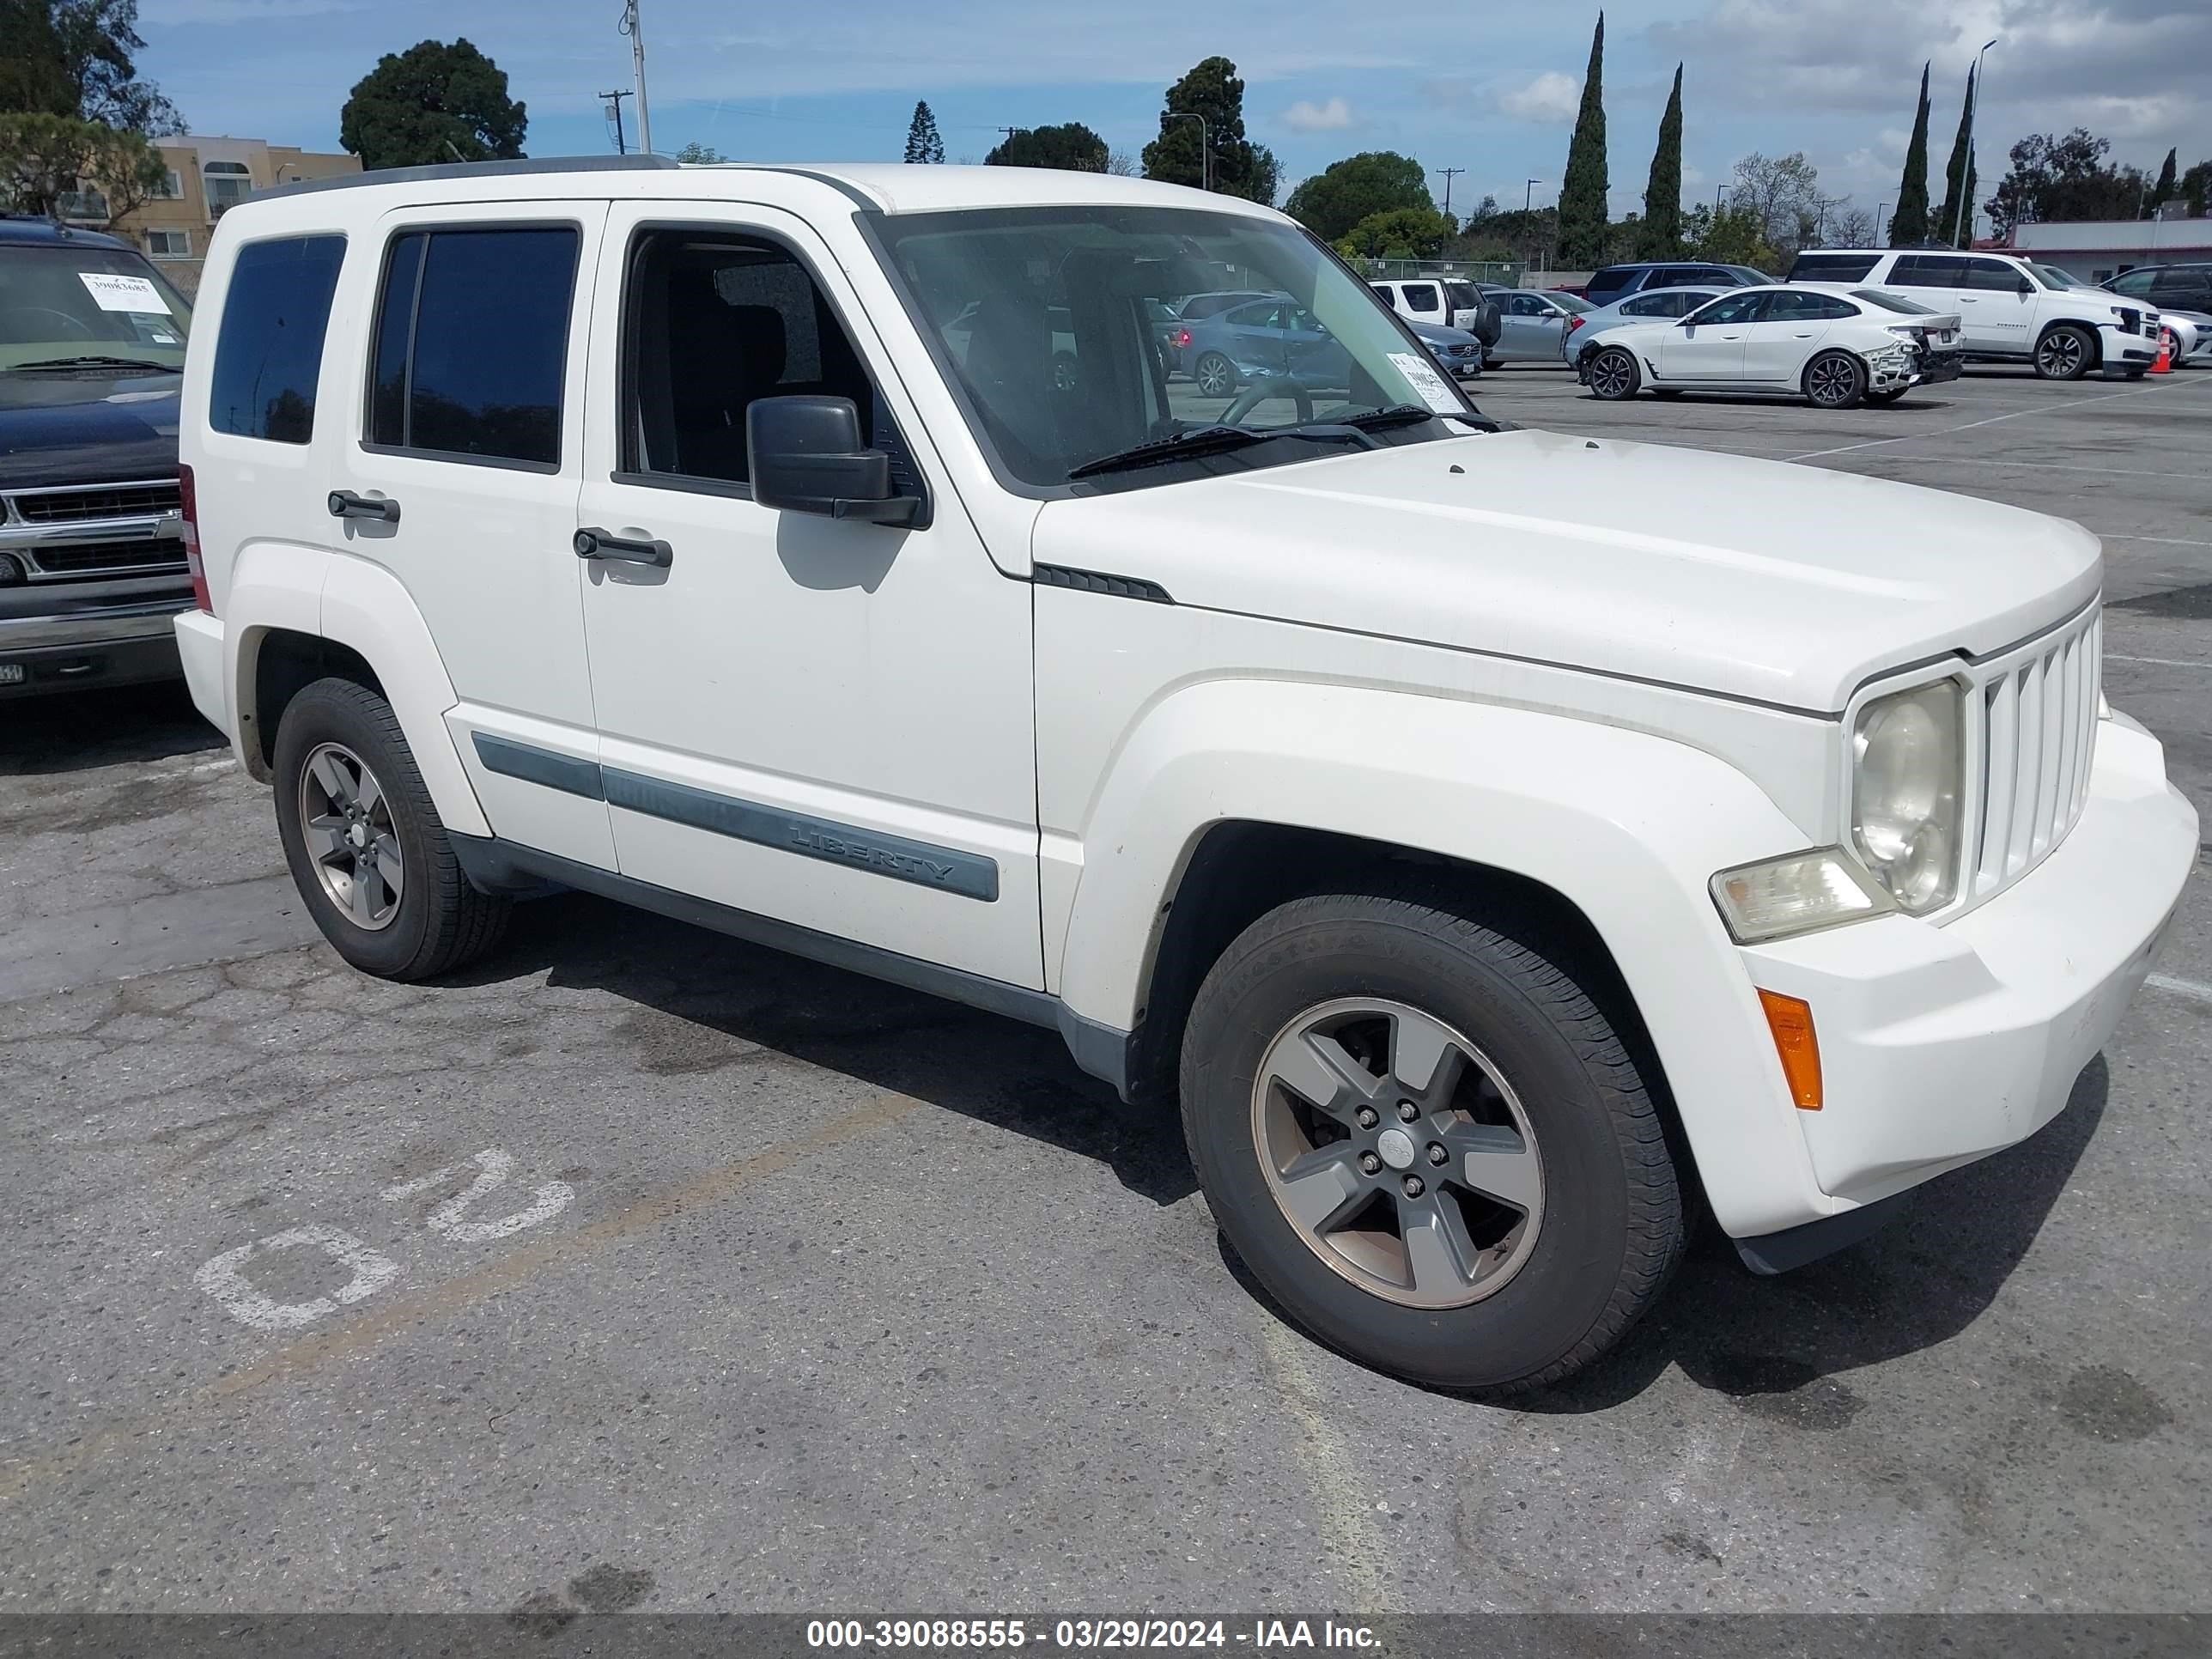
column 1652, row 305
column 1531, row 326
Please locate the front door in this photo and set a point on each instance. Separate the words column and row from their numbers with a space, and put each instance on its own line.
column 2003, row 311
column 1709, row 344
column 824, row 721
column 1776, row 347
column 462, row 483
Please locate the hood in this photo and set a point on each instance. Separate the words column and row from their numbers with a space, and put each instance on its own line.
column 1785, row 584
column 78, row 426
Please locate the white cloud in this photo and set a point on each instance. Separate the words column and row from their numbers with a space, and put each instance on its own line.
column 1306, row 116
column 1551, row 96
column 174, row 13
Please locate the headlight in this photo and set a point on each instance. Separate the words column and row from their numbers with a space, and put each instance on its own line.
column 1795, row 895
column 1905, row 753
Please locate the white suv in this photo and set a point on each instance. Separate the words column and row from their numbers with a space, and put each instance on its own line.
column 2009, row 310
column 1492, row 835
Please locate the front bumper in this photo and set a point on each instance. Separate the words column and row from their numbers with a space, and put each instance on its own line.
column 1940, row 1045
column 54, row 641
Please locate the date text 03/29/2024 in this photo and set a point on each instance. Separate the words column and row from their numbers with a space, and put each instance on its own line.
column 1257, row 1635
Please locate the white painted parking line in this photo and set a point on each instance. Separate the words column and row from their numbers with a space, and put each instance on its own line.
column 2157, row 662
column 2195, row 990
column 1992, row 420
column 2155, row 541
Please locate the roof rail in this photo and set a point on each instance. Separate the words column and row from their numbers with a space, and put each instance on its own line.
column 484, row 170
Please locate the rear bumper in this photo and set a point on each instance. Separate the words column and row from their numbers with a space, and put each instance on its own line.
column 1941, row 1045
column 198, row 640
column 1940, row 366
column 86, row 645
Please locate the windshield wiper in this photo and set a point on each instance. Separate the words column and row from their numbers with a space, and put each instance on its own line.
column 1208, row 440
column 101, row 362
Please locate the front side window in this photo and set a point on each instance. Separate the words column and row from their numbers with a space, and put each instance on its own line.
column 471, row 344
column 982, row 287
column 1421, row 297
column 1733, row 308
column 1990, row 277
column 716, row 323
column 269, row 354
column 2184, row 290
column 1462, row 295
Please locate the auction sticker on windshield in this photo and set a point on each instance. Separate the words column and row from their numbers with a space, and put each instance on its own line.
column 113, row 293
column 1425, row 380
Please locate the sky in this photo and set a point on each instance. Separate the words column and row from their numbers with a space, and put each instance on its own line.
column 1486, row 87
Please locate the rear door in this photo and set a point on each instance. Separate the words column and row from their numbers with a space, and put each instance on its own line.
column 1787, row 332
column 1939, row 281
column 463, row 484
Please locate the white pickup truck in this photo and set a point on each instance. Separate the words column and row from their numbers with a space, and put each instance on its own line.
column 1494, row 836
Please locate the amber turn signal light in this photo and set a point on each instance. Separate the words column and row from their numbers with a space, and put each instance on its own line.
column 1790, row 1019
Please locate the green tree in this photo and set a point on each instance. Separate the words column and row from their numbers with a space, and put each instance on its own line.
column 2167, row 185
column 43, row 157
column 1908, row 220
column 1582, row 213
column 1406, row 233
column 695, row 153
column 1954, row 224
column 73, row 57
column 1340, row 196
column 432, row 102
column 2055, row 180
column 2196, row 187
column 1212, row 90
column 1071, row 146
column 1730, row 236
column 1660, row 233
column 923, row 144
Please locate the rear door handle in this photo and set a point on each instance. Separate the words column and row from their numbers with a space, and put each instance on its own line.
column 596, row 543
column 344, row 504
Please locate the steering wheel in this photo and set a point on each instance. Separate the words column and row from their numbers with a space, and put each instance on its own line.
column 1259, row 392
column 76, row 323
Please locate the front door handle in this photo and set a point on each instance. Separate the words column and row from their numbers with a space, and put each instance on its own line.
column 596, row 543
column 344, row 504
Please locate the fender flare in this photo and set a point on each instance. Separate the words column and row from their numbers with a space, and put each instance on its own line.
column 1628, row 827
column 366, row 608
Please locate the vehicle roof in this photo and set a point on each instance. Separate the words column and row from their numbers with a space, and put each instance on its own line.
column 1932, row 247
column 23, row 230
column 884, row 187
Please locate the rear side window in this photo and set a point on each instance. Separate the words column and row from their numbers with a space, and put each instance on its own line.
column 1989, row 277
column 1421, row 296
column 2184, row 290
column 1614, row 279
column 1833, row 267
column 471, row 344
column 270, row 352
column 1923, row 270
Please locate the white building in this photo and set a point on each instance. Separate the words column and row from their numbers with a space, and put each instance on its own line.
column 2097, row 251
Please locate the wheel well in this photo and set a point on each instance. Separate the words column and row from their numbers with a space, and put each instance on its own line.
column 2096, row 340
column 286, row 665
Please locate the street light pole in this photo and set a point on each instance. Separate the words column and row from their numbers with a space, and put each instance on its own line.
column 1204, row 145
column 636, row 30
column 1966, row 167
column 1879, row 207
column 1528, row 196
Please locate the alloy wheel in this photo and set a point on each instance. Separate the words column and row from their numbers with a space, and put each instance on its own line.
column 351, row 838
column 1832, row 381
column 1612, row 374
column 2060, row 354
column 1398, row 1152
column 1215, row 377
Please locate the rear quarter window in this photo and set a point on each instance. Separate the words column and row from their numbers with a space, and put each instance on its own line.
column 269, row 352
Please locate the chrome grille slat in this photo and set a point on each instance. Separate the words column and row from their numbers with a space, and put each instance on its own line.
column 116, row 500
column 2038, row 733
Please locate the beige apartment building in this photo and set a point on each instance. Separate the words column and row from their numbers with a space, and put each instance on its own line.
column 206, row 176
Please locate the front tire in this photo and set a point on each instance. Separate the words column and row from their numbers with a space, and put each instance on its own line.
column 1613, row 376
column 365, row 847
column 2066, row 353
column 1336, row 1048
column 1215, row 374
column 1835, row 379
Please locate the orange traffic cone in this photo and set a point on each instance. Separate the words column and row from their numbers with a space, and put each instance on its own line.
column 2165, row 363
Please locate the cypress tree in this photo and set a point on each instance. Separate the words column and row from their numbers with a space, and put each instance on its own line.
column 1961, row 171
column 1908, row 224
column 2166, row 188
column 1661, row 235
column 1584, row 215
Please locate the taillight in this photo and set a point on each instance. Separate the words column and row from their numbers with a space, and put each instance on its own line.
column 1573, row 323
column 1183, row 336
column 189, row 508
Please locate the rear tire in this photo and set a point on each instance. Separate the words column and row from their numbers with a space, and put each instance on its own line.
column 1215, row 374
column 1521, row 1291
column 1613, row 376
column 1834, row 379
column 2065, row 353
column 365, row 847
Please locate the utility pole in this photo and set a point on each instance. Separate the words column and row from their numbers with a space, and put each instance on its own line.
column 1010, row 132
column 636, row 30
column 1204, row 145
column 614, row 107
column 1528, row 196
column 1449, row 174
column 1966, row 171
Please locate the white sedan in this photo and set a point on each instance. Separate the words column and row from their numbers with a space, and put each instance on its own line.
column 1835, row 347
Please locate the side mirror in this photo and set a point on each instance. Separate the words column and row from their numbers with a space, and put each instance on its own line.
column 805, row 455
column 2027, row 287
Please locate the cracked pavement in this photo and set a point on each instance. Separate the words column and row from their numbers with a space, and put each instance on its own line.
column 860, row 1302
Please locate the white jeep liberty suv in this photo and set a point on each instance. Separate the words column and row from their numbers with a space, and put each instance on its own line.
column 1492, row 836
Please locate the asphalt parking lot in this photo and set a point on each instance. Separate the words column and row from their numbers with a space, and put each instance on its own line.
column 781, row 1290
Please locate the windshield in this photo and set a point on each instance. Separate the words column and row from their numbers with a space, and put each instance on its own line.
column 63, row 301
column 2051, row 276
column 1040, row 318
column 1875, row 296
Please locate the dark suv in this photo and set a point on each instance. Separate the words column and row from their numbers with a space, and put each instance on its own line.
column 1618, row 282
column 2168, row 287
column 92, row 549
